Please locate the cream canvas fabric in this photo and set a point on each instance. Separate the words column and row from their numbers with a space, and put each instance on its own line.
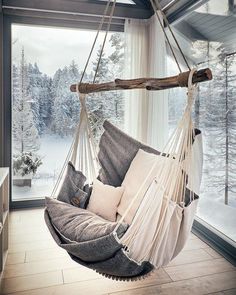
column 105, row 200
column 167, row 194
column 138, row 170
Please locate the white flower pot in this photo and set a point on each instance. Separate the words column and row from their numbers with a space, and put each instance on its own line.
column 25, row 180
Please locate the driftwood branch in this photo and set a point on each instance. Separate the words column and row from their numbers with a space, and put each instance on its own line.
column 180, row 80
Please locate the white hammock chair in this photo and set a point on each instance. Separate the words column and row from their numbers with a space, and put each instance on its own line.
column 168, row 194
column 163, row 194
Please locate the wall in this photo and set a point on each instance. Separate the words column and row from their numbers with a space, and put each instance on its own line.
column 1, row 85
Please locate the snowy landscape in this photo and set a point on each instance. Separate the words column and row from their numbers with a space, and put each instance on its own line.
column 45, row 114
column 215, row 115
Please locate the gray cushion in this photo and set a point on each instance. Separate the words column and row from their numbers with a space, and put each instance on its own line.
column 79, row 225
column 105, row 255
column 87, row 235
column 73, row 190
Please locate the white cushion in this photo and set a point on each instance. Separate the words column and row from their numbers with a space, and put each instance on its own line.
column 138, row 176
column 104, row 200
column 134, row 178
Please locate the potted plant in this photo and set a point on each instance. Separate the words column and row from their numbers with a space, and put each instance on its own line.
column 25, row 165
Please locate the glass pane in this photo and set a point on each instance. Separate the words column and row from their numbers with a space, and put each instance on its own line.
column 45, row 62
column 217, row 120
column 203, row 39
column 176, row 97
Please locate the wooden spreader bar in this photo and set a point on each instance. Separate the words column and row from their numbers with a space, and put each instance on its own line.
column 180, row 80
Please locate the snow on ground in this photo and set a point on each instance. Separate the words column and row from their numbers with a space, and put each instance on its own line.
column 53, row 151
column 217, row 214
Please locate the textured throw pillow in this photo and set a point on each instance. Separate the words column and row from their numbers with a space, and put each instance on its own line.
column 134, row 178
column 73, row 190
column 104, row 200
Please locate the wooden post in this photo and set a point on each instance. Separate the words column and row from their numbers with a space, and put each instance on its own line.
column 180, row 80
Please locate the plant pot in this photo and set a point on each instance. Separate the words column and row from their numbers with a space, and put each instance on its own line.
column 21, row 181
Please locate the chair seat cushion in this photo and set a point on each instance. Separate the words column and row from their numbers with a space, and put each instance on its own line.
column 78, row 225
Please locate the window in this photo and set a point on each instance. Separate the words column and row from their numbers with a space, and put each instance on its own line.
column 45, row 62
column 176, row 98
column 215, row 109
column 217, row 120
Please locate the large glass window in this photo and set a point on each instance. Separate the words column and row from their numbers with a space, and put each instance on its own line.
column 45, row 62
column 215, row 109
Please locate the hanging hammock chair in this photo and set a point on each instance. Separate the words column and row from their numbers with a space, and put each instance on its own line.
column 168, row 197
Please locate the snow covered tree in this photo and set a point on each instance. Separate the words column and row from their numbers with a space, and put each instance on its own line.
column 116, row 60
column 117, row 56
column 15, row 82
column 33, row 89
column 103, row 69
column 217, row 119
column 66, row 107
column 109, row 105
column 24, row 131
column 39, row 89
column 45, row 102
column 230, row 181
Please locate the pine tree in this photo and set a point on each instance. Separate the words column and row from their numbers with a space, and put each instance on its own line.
column 25, row 133
column 218, row 121
column 39, row 89
column 103, row 69
column 15, row 82
column 116, row 64
column 117, row 56
column 230, row 187
column 46, row 101
column 66, row 107
column 33, row 89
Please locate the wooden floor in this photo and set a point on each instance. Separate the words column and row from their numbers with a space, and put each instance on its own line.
column 36, row 266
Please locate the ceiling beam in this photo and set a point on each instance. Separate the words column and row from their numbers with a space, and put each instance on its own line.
column 62, row 16
column 182, row 8
column 84, row 7
column 61, row 20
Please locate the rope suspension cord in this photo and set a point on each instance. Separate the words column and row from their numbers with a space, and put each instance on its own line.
column 158, row 7
column 95, row 40
column 104, row 41
column 72, row 152
column 87, row 141
column 180, row 80
column 163, row 29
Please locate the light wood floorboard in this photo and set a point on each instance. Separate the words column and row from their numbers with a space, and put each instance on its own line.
column 36, row 266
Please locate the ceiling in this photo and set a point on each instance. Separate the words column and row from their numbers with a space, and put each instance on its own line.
column 124, row 8
column 214, row 22
column 207, row 20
